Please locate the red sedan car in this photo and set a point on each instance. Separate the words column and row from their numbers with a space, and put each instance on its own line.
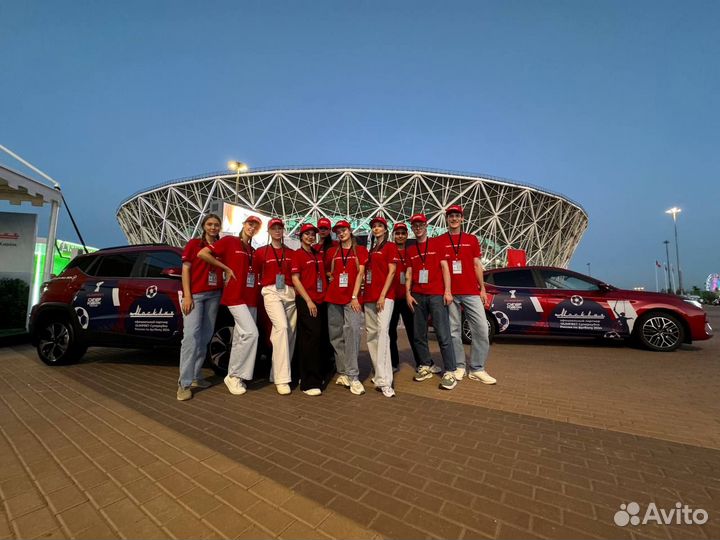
column 544, row 300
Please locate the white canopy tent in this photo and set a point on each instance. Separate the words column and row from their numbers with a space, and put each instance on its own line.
column 16, row 188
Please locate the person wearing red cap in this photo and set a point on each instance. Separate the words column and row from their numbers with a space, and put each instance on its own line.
column 308, row 278
column 345, row 316
column 379, row 299
column 274, row 263
column 468, row 289
column 233, row 254
column 428, row 293
column 324, row 245
column 202, row 288
column 400, row 307
column 325, row 241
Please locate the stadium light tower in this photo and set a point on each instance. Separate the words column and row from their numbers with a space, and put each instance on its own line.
column 674, row 211
column 238, row 167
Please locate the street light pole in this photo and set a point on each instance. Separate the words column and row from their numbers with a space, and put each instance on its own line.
column 674, row 211
column 589, row 274
column 667, row 268
column 238, row 167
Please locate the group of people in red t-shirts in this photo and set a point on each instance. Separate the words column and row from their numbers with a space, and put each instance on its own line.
column 318, row 297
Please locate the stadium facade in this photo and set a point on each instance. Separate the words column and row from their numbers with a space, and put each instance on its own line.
column 503, row 214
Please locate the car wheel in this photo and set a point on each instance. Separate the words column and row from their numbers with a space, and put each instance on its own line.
column 467, row 334
column 659, row 331
column 57, row 343
column 465, row 330
column 219, row 349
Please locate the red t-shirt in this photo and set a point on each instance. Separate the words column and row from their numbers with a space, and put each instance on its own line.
column 311, row 268
column 345, row 262
column 233, row 253
column 376, row 272
column 461, row 251
column 270, row 262
column 427, row 256
column 204, row 277
column 326, row 252
column 402, row 264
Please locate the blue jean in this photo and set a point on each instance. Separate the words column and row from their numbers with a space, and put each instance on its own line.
column 433, row 305
column 198, row 328
column 475, row 315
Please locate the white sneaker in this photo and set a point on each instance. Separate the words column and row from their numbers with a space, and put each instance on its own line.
column 235, row 385
column 357, row 388
column 283, row 389
column 312, row 392
column 387, row 391
column 482, row 376
column 343, row 380
column 435, row 369
column 460, row 373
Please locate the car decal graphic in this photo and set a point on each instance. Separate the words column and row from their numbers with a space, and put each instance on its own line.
column 625, row 316
column 95, row 306
column 580, row 314
column 536, row 304
column 116, row 296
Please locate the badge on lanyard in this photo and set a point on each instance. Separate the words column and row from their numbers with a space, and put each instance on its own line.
column 344, row 280
column 368, row 277
column 212, row 279
column 402, row 278
column 319, row 285
column 280, row 282
column 457, row 267
column 250, row 280
column 423, row 276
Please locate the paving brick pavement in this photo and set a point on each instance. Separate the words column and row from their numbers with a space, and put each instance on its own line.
column 103, row 450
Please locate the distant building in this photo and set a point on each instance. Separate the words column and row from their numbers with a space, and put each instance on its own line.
column 503, row 214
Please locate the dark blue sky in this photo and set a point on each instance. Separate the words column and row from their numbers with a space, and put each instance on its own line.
column 613, row 104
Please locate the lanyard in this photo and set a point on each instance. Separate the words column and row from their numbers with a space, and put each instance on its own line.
column 423, row 257
column 248, row 251
column 456, row 249
column 279, row 261
column 401, row 255
column 314, row 255
column 344, row 257
column 376, row 249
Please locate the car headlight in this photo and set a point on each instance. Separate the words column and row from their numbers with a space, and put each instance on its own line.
column 694, row 303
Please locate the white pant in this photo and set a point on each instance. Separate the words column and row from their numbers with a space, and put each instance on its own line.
column 378, row 341
column 282, row 312
column 244, row 343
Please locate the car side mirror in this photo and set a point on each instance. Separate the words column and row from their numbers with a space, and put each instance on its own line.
column 171, row 272
column 604, row 287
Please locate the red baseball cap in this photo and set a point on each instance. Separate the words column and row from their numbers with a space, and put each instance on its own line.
column 379, row 219
column 275, row 221
column 341, row 223
column 324, row 223
column 253, row 218
column 399, row 226
column 454, row 208
column 415, row 218
column 308, row 227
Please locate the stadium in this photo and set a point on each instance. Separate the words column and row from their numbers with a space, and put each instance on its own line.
column 503, row 214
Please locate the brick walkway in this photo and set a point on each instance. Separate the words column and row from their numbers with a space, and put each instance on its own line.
column 103, row 450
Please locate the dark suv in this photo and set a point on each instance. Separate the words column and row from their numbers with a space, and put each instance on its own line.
column 125, row 297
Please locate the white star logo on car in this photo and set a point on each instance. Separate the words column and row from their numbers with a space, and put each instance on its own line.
column 576, row 300
column 151, row 291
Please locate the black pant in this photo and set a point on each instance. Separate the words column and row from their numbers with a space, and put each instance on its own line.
column 309, row 347
column 400, row 308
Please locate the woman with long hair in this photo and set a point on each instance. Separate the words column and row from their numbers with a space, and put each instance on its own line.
column 379, row 299
column 274, row 262
column 234, row 255
column 202, row 287
column 345, row 315
column 308, row 277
